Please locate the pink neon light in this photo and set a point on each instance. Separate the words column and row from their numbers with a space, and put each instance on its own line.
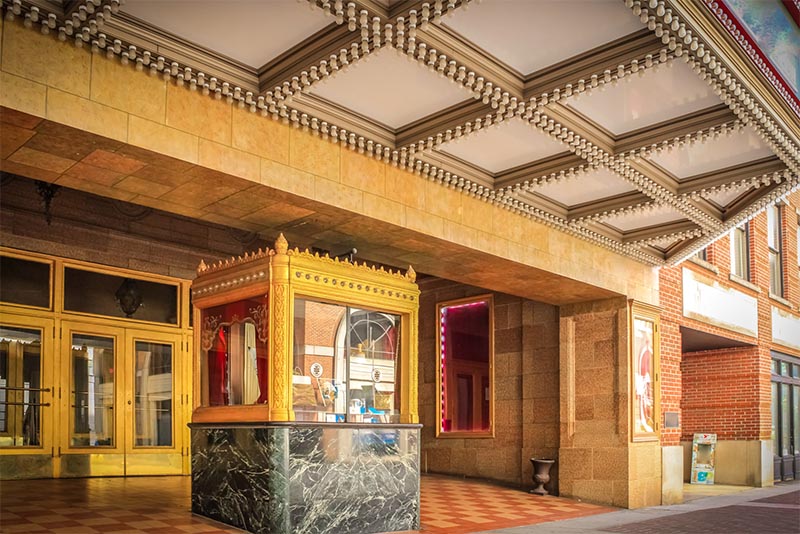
column 443, row 345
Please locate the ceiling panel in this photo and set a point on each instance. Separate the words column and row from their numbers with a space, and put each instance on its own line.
column 394, row 102
column 628, row 222
column 649, row 97
column 390, row 88
column 503, row 146
column 724, row 198
column 728, row 150
column 592, row 185
column 240, row 29
column 529, row 35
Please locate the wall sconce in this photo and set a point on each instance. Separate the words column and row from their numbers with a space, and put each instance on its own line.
column 128, row 297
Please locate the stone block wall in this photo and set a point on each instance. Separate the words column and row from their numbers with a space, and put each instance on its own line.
column 598, row 461
column 525, row 383
column 110, row 232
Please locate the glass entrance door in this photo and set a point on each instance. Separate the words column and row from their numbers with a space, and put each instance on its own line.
column 26, row 397
column 119, row 405
column 786, row 416
column 155, row 423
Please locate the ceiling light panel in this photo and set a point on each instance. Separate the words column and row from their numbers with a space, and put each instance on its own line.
column 581, row 188
column 504, row 146
column 724, row 198
column 530, row 35
column 652, row 96
column 641, row 219
column 251, row 32
column 390, row 88
column 734, row 148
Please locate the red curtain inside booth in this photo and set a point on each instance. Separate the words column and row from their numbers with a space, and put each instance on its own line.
column 248, row 310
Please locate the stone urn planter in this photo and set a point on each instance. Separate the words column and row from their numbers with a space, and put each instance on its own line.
column 541, row 474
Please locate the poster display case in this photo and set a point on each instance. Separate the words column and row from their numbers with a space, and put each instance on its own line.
column 645, row 370
column 306, row 368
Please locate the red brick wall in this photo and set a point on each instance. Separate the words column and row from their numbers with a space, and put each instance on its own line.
column 726, row 392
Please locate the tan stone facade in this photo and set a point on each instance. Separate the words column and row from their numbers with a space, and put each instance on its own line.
column 562, row 359
column 525, row 385
column 446, row 232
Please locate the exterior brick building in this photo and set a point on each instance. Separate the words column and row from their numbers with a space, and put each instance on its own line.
column 719, row 373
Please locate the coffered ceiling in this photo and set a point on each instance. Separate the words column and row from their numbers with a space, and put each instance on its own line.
column 635, row 124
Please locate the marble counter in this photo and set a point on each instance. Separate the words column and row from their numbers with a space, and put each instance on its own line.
column 307, row 478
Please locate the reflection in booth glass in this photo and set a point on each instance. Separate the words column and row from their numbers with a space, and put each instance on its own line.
column 345, row 364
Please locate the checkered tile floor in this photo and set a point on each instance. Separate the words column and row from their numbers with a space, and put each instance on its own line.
column 156, row 505
column 152, row 505
column 460, row 506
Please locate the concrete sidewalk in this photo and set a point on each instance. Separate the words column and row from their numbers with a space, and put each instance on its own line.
column 762, row 510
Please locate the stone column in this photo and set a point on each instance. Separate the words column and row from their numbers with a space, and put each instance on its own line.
column 598, row 461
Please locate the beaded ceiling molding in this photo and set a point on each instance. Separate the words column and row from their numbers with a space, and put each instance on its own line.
column 634, row 124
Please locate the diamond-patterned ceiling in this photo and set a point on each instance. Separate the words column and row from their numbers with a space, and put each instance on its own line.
column 613, row 120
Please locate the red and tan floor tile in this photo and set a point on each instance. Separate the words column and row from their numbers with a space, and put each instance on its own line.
column 459, row 506
column 160, row 505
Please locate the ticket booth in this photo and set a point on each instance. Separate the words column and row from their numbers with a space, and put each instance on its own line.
column 305, row 416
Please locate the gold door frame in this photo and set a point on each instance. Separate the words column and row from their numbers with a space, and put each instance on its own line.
column 55, row 323
column 14, row 457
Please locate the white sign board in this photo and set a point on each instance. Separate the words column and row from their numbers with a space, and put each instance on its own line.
column 785, row 328
column 708, row 301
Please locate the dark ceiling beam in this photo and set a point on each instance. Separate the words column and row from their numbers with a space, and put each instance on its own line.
column 441, row 121
column 619, row 204
column 305, row 54
column 539, row 169
column 605, row 57
column 145, row 36
column 325, row 110
column 731, row 175
column 679, row 127
column 462, row 168
column 657, row 231
column 475, row 59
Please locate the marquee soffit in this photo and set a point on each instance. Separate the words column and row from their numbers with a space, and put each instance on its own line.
column 639, row 125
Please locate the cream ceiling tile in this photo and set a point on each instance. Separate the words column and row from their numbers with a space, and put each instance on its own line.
column 725, row 151
column 628, row 222
column 529, row 35
column 595, row 184
column 657, row 95
column 504, row 146
column 724, row 198
column 390, row 88
column 244, row 30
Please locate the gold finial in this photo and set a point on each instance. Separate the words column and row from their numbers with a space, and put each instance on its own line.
column 281, row 245
column 202, row 267
column 411, row 274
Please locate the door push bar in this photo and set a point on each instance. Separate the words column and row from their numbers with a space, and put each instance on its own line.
column 10, row 388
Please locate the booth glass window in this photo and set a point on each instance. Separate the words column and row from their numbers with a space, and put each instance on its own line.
column 234, row 353
column 345, row 364
column 465, row 354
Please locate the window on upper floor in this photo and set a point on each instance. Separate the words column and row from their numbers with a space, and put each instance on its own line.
column 702, row 254
column 740, row 251
column 775, row 250
column 798, row 239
